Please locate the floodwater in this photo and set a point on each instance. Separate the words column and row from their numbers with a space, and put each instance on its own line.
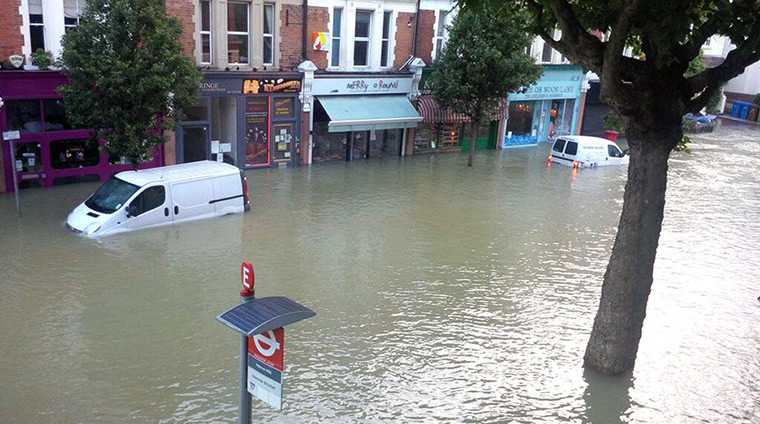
column 443, row 294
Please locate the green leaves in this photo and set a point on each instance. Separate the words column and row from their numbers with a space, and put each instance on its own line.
column 123, row 61
column 484, row 59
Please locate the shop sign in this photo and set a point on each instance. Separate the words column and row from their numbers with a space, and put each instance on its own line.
column 271, row 85
column 339, row 86
column 225, row 86
column 11, row 135
column 549, row 90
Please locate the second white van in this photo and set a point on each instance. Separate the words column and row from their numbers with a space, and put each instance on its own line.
column 583, row 151
column 132, row 200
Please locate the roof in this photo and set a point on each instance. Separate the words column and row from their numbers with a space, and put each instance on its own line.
column 363, row 113
column 432, row 112
column 184, row 171
column 265, row 314
column 586, row 139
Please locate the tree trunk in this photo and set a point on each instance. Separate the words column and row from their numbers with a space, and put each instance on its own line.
column 473, row 140
column 615, row 337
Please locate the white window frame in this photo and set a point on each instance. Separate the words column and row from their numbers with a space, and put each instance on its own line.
column 41, row 14
column 551, row 49
column 336, row 35
column 367, row 39
column 246, row 33
column 208, row 32
column 79, row 13
column 440, row 32
column 265, row 35
column 386, row 39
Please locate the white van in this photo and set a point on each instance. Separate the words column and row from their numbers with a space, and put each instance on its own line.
column 581, row 151
column 159, row 196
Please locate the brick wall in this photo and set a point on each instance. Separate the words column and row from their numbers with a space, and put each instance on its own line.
column 183, row 10
column 291, row 29
column 11, row 39
column 425, row 33
column 316, row 21
column 404, row 35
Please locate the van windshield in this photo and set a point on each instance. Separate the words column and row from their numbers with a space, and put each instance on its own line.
column 111, row 196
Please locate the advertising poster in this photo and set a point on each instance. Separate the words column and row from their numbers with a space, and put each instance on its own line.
column 256, row 131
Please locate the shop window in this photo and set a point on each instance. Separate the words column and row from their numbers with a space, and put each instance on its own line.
column 361, row 38
column 385, row 49
column 65, row 154
column 72, row 9
column 149, row 199
column 520, row 118
column 28, row 157
column 327, row 145
column 196, row 112
column 335, row 55
column 24, row 116
column 268, row 34
column 205, row 31
column 387, row 144
column 55, row 115
column 425, row 137
column 450, row 135
column 36, row 25
column 237, row 33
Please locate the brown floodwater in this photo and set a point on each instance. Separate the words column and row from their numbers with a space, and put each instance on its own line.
column 443, row 294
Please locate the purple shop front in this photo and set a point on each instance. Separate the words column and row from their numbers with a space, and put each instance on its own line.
column 49, row 151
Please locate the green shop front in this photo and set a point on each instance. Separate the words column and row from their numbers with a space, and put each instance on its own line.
column 249, row 120
column 547, row 109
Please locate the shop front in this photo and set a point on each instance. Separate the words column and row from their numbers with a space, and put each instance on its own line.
column 546, row 109
column 361, row 116
column 249, row 120
column 49, row 150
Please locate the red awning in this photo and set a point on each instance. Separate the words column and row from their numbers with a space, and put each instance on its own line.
column 433, row 113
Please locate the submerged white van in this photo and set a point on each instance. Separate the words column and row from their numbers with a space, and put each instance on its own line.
column 583, row 151
column 132, row 200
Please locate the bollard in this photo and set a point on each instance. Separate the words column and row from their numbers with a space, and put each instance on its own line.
column 246, row 295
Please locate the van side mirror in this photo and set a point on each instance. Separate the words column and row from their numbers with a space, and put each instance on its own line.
column 132, row 211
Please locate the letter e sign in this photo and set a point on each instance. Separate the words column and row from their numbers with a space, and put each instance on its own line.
column 246, row 271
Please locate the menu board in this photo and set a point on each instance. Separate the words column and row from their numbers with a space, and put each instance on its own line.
column 256, row 131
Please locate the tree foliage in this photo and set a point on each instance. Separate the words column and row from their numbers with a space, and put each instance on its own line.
column 126, row 72
column 484, row 59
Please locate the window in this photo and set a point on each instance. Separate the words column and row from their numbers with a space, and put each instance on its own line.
column 335, row 56
column 559, row 145
column 614, row 152
column 268, row 34
column 205, row 31
column 546, row 55
column 55, row 115
column 111, row 196
column 36, row 26
column 66, row 154
column 149, row 199
column 361, row 38
column 440, row 32
column 24, row 116
column 237, row 33
column 72, row 9
column 385, row 50
column 571, row 148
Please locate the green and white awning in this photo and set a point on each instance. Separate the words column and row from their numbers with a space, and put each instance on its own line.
column 364, row 113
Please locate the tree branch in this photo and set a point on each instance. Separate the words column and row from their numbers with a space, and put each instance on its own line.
column 614, row 48
column 576, row 43
column 699, row 36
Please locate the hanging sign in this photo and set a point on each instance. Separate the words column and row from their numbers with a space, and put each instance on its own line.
column 321, row 41
column 265, row 365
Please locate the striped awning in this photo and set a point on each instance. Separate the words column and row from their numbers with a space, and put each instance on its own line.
column 433, row 113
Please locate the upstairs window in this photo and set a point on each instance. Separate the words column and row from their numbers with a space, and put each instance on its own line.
column 361, row 38
column 440, row 33
column 337, row 21
column 385, row 49
column 237, row 33
column 72, row 9
column 205, row 31
column 36, row 25
column 546, row 54
column 268, row 34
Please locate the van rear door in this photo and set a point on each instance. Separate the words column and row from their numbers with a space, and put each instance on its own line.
column 228, row 195
column 192, row 199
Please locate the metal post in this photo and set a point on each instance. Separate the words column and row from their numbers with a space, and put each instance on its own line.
column 244, row 411
column 15, row 177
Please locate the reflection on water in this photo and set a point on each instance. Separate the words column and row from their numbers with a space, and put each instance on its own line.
column 443, row 293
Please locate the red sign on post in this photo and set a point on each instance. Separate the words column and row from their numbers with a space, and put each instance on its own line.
column 246, row 273
column 268, row 347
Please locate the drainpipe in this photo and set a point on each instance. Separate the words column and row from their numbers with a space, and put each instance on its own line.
column 416, row 28
column 304, row 12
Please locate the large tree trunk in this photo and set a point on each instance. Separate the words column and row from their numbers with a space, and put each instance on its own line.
column 473, row 140
column 615, row 337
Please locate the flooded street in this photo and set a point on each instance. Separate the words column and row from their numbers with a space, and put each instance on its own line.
column 443, row 294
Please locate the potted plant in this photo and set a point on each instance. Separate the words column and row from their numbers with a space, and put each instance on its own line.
column 42, row 59
column 613, row 125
